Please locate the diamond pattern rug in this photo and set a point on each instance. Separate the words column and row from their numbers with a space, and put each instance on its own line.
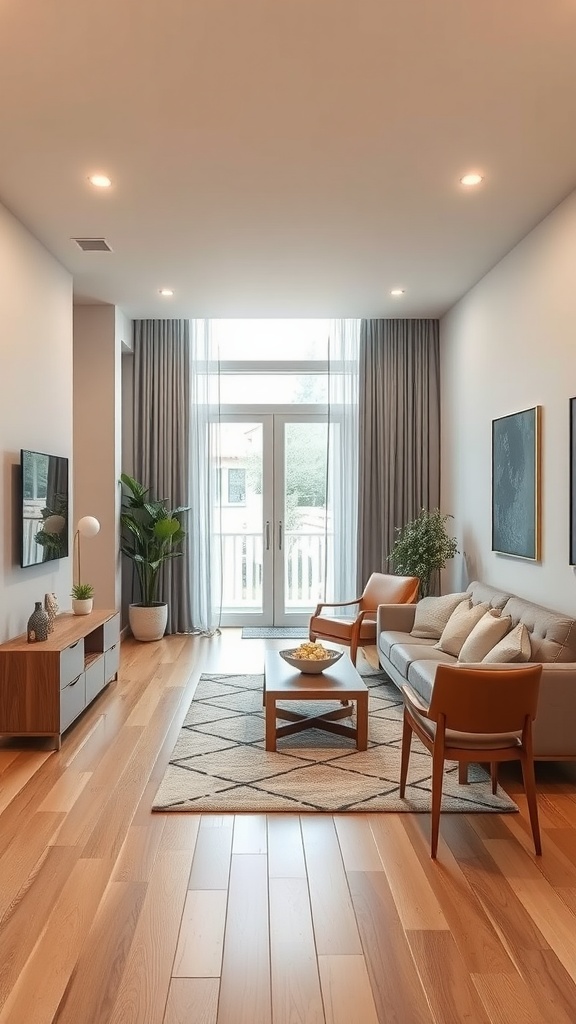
column 219, row 762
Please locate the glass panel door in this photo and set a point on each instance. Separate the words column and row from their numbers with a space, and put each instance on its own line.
column 303, row 531
column 275, row 532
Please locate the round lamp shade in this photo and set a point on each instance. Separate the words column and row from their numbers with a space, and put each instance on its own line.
column 88, row 526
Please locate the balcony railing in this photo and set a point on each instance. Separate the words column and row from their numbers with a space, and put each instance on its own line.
column 304, row 569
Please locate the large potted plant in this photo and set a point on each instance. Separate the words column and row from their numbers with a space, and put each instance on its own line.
column 423, row 547
column 151, row 534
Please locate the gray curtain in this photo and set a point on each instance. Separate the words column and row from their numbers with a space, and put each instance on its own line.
column 161, row 440
column 399, row 433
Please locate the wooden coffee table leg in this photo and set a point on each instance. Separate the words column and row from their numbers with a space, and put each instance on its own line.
column 362, row 722
column 270, row 722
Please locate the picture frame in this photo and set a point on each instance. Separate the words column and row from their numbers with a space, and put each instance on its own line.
column 572, row 540
column 516, row 484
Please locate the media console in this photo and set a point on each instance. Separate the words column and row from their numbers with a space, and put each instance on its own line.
column 46, row 685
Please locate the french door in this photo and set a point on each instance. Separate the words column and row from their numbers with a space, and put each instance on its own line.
column 275, row 531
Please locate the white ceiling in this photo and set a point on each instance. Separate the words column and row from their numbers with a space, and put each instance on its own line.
column 285, row 157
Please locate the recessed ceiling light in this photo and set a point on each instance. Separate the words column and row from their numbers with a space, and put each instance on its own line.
column 397, row 291
column 469, row 180
column 167, row 292
column 100, row 180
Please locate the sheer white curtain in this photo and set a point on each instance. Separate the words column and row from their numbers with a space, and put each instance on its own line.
column 342, row 475
column 205, row 539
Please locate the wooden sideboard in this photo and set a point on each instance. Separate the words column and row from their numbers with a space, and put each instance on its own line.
column 46, row 685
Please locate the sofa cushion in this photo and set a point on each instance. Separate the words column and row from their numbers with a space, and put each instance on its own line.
column 390, row 637
column 402, row 656
column 459, row 626
column 552, row 634
column 421, row 674
column 432, row 614
column 515, row 646
column 486, row 634
column 483, row 593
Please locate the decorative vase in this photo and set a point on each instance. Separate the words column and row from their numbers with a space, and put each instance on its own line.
column 82, row 607
column 51, row 609
column 38, row 624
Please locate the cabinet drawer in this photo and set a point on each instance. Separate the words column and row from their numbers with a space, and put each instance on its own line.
column 94, row 679
column 111, row 662
column 111, row 632
column 72, row 701
column 71, row 662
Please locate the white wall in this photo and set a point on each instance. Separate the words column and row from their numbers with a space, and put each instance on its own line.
column 99, row 333
column 35, row 404
column 510, row 344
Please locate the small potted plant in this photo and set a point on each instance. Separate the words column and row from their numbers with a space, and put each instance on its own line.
column 82, row 598
column 423, row 547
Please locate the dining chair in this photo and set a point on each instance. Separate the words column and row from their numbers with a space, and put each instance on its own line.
column 482, row 715
column 360, row 630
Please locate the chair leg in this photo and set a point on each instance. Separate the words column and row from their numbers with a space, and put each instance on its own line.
column 462, row 773
column 530, row 789
column 437, row 778
column 494, row 775
column 353, row 652
column 405, row 757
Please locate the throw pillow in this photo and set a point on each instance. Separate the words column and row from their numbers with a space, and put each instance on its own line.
column 459, row 626
column 486, row 633
column 515, row 646
column 432, row 614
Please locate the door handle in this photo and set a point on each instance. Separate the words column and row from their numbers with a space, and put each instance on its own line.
column 280, row 535
column 267, row 535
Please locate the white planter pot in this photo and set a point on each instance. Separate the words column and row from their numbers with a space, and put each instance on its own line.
column 82, row 607
column 148, row 623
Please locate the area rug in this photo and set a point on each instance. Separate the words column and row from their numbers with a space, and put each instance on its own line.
column 274, row 632
column 219, row 763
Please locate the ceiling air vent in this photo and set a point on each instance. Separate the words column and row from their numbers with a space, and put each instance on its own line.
column 93, row 244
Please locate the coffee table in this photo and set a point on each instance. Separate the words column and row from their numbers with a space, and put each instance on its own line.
column 341, row 683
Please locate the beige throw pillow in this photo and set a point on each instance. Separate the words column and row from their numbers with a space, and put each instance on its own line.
column 459, row 626
column 486, row 633
column 432, row 614
column 515, row 646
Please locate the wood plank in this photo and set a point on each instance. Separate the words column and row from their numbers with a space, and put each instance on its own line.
column 143, row 992
column 285, row 849
column 42, row 982
column 346, row 990
column 359, row 850
column 201, row 940
column 245, row 982
column 335, row 925
column 192, row 1000
column 211, row 864
column 97, row 979
column 18, row 773
column 250, row 834
column 507, row 1000
column 18, row 863
column 396, row 986
column 447, row 983
column 139, row 852
column 65, row 792
column 296, row 994
column 417, row 905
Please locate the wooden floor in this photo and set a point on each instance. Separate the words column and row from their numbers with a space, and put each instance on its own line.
column 112, row 915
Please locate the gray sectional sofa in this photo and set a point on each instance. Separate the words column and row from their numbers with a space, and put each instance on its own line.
column 553, row 643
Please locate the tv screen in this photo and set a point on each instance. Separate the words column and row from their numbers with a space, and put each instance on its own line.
column 44, row 507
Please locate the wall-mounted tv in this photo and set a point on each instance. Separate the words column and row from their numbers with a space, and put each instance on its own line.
column 44, row 507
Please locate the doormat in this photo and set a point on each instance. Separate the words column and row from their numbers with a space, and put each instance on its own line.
column 219, row 763
column 277, row 632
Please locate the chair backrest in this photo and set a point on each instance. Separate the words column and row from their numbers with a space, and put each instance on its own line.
column 485, row 700
column 387, row 589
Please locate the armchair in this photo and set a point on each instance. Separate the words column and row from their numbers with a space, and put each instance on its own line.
column 360, row 630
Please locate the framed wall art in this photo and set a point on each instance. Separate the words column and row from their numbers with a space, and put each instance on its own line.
column 516, row 484
column 573, row 481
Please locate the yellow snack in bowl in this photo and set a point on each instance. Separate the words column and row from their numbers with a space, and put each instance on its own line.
column 312, row 652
